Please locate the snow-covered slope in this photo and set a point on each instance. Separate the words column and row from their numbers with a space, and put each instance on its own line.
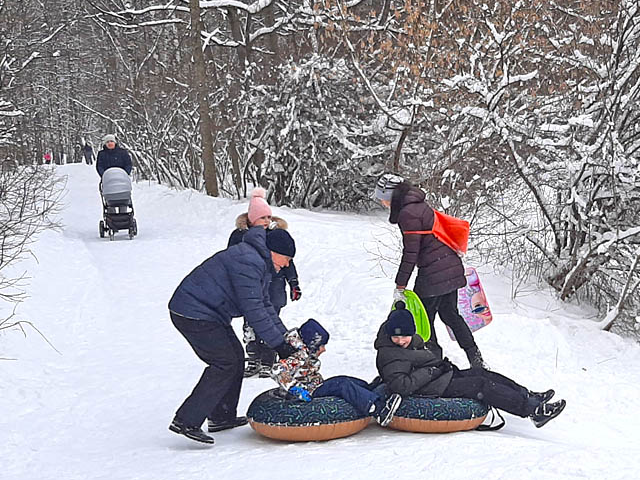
column 99, row 406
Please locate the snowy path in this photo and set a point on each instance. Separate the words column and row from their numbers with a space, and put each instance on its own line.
column 100, row 409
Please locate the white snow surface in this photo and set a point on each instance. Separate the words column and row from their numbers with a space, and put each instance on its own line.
column 100, row 408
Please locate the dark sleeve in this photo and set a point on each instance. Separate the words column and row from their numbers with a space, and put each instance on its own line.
column 126, row 159
column 290, row 273
column 401, row 377
column 253, row 300
column 99, row 163
column 410, row 247
column 235, row 237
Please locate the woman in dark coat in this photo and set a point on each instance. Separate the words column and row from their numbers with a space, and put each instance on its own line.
column 112, row 155
column 232, row 283
column 440, row 270
column 260, row 356
column 408, row 367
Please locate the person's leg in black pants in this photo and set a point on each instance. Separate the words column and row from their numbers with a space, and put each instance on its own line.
column 493, row 389
column 431, row 305
column 216, row 345
column 446, row 306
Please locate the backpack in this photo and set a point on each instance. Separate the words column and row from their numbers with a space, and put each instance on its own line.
column 452, row 231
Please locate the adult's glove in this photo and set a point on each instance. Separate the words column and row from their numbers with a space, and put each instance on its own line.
column 295, row 293
column 284, row 350
column 300, row 393
column 475, row 358
column 398, row 295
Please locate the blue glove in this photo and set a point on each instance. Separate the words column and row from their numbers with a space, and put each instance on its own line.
column 300, row 393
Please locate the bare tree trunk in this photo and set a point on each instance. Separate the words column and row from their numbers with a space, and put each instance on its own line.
column 200, row 84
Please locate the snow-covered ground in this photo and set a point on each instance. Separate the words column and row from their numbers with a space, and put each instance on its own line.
column 99, row 406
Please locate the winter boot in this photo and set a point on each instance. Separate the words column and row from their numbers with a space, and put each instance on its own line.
column 193, row 433
column 384, row 410
column 252, row 367
column 546, row 412
column 475, row 358
column 219, row 425
column 265, row 370
column 543, row 397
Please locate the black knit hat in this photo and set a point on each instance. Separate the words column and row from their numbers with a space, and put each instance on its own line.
column 400, row 322
column 313, row 334
column 281, row 242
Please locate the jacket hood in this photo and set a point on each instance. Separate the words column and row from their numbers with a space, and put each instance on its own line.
column 242, row 222
column 384, row 340
column 403, row 195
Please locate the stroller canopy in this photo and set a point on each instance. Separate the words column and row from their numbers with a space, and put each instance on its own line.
column 115, row 180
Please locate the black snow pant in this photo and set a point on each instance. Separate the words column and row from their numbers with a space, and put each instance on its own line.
column 491, row 388
column 217, row 392
column 446, row 306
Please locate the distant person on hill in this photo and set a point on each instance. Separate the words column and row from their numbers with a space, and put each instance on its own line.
column 232, row 283
column 87, row 152
column 260, row 356
column 408, row 367
column 440, row 270
column 112, row 155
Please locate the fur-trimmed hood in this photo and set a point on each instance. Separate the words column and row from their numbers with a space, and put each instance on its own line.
column 242, row 222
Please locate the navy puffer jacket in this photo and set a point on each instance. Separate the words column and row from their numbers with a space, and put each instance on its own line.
column 233, row 283
column 277, row 290
column 440, row 269
column 115, row 157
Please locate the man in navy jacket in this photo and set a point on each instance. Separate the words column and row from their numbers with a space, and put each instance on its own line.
column 112, row 155
column 232, row 283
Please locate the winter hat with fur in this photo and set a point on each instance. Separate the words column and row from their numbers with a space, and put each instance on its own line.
column 386, row 185
column 281, row 242
column 313, row 334
column 400, row 322
column 258, row 206
column 109, row 137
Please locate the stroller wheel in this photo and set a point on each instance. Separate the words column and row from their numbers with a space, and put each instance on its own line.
column 134, row 227
column 131, row 234
column 101, row 228
column 112, row 235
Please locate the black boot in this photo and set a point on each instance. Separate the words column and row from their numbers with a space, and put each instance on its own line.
column 546, row 412
column 193, row 433
column 252, row 367
column 385, row 409
column 475, row 358
column 219, row 425
column 543, row 397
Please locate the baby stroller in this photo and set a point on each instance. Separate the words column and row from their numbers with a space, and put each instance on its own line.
column 117, row 208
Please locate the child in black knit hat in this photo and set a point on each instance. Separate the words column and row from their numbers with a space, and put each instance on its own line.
column 408, row 367
column 299, row 375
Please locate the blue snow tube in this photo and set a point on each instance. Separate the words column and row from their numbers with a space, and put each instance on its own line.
column 283, row 417
column 438, row 415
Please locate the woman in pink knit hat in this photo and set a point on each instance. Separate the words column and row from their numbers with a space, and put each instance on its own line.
column 260, row 356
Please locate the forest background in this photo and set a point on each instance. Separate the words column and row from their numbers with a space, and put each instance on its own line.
column 521, row 117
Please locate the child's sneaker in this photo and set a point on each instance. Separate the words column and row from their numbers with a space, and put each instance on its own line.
column 193, row 433
column 384, row 412
column 546, row 412
column 265, row 370
column 219, row 425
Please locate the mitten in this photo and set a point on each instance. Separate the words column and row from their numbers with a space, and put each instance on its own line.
column 398, row 295
column 300, row 393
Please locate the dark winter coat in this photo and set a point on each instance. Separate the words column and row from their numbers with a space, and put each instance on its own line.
column 414, row 370
column 277, row 290
column 115, row 157
column 233, row 283
column 440, row 269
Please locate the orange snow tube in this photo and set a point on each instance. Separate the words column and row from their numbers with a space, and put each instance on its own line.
column 438, row 415
column 285, row 418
